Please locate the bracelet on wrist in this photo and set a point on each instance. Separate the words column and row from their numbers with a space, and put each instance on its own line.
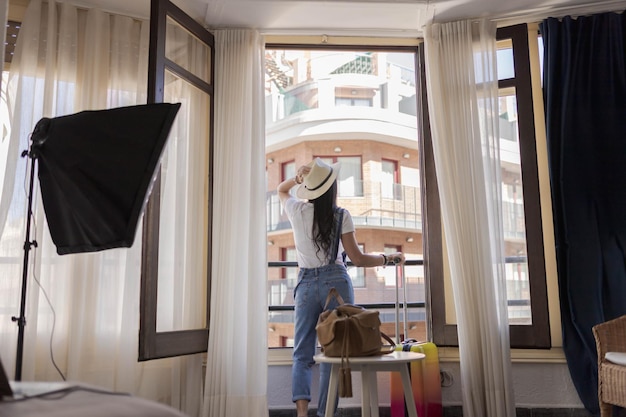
column 385, row 260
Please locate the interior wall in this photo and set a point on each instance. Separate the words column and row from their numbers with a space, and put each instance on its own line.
column 536, row 385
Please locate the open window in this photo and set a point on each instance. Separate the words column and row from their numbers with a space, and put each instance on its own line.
column 176, row 259
column 523, row 229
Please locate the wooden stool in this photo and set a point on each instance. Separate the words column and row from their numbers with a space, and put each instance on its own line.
column 368, row 366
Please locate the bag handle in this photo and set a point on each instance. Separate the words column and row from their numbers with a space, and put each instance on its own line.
column 333, row 293
column 388, row 339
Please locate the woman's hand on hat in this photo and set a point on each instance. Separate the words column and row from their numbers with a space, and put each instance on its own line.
column 302, row 172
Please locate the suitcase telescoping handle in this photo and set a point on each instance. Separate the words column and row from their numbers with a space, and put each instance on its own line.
column 401, row 281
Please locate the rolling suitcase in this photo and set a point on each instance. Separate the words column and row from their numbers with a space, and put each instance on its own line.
column 425, row 382
column 425, row 374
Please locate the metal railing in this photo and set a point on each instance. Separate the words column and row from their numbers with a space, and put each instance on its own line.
column 400, row 309
column 399, row 207
column 514, row 299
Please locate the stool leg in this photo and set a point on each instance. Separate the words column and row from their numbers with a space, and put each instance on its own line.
column 408, row 392
column 373, row 387
column 332, row 390
column 366, row 403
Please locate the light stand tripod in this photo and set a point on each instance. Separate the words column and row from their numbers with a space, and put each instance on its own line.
column 95, row 169
column 38, row 137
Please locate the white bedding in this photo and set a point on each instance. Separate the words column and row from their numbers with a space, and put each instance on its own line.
column 85, row 401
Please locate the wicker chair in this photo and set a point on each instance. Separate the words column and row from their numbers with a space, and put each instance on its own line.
column 610, row 336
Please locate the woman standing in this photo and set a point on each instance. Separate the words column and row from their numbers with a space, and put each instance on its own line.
column 322, row 231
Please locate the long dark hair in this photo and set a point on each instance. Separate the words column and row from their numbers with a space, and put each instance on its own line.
column 324, row 220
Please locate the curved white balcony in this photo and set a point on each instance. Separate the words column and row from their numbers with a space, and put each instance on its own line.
column 337, row 108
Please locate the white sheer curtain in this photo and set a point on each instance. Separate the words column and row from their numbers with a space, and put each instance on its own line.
column 67, row 60
column 236, row 378
column 463, row 100
column 4, row 13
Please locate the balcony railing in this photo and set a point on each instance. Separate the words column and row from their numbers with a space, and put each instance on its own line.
column 394, row 206
column 400, row 319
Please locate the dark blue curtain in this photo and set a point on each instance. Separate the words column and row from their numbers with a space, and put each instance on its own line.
column 585, row 104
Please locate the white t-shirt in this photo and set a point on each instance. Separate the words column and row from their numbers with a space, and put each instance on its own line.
column 300, row 214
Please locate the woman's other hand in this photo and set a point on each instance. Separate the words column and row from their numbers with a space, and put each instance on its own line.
column 396, row 258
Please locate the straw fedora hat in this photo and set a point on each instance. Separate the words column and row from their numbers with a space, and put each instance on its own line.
column 318, row 180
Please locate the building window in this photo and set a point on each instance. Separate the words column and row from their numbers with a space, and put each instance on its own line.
column 290, row 274
column 393, row 277
column 389, row 182
column 356, row 273
column 288, row 170
column 353, row 101
column 350, row 180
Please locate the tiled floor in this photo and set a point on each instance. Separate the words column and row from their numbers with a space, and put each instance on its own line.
column 457, row 411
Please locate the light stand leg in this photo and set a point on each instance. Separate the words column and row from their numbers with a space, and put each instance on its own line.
column 21, row 320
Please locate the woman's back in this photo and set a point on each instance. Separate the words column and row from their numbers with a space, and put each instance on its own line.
column 310, row 255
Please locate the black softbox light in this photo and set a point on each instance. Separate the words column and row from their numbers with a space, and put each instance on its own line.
column 95, row 169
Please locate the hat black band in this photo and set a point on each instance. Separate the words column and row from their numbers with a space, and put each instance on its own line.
column 322, row 183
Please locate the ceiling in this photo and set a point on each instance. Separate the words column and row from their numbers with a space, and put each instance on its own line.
column 401, row 18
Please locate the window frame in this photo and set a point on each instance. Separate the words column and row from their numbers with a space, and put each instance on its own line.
column 153, row 344
column 278, row 354
column 537, row 334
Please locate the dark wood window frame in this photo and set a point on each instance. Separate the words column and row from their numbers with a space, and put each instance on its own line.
column 536, row 335
column 153, row 344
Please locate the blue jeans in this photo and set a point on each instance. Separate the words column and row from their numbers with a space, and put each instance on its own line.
column 310, row 296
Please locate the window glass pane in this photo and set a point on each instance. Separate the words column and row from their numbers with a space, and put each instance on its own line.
column 356, row 273
column 513, row 212
column 184, row 49
column 291, row 274
column 182, row 272
column 289, row 171
column 504, row 56
column 350, row 183
column 387, row 178
column 347, row 101
column 311, row 97
column 5, row 127
column 540, row 47
column 389, row 186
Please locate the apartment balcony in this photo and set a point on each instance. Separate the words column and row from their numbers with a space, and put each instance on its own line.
column 402, row 307
column 397, row 206
column 371, row 204
column 340, row 107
